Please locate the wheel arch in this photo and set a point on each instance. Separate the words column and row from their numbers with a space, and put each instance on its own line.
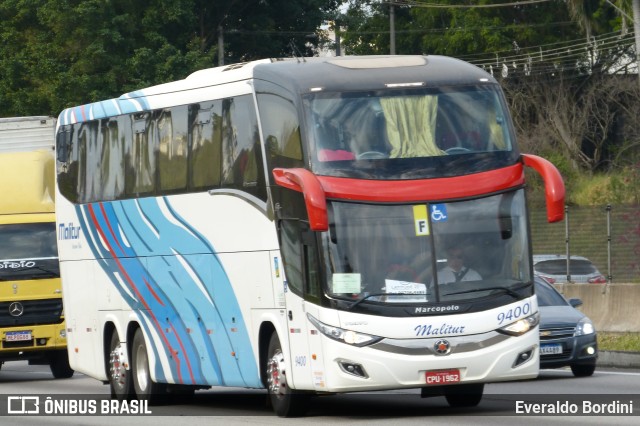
column 109, row 328
column 267, row 329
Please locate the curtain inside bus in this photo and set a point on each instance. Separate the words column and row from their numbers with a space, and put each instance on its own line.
column 411, row 125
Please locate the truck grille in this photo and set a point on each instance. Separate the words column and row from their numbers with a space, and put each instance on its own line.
column 34, row 312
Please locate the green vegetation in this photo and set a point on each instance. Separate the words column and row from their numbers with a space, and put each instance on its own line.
column 617, row 187
column 608, row 341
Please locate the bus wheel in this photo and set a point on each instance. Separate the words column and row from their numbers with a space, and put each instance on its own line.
column 59, row 364
column 286, row 402
column 119, row 378
column 464, row 395
column 145, row 388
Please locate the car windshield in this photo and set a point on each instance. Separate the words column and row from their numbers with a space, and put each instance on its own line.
column 427, row 252
column 28, row 251
column 559, row 267
column 547, row 295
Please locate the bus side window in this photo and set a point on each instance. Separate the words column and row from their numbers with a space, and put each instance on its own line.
column 291, row 250
column 205, row 157
column 89, row 185
column 313, row 288
column 170, row 130
column 241, row 154
column 112, row 158
column 67, row 157
column 281, row 131
column 140, row 157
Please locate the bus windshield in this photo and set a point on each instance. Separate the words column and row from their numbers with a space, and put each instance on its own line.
column 28, row 251
column 427, row 252
column 405, row 124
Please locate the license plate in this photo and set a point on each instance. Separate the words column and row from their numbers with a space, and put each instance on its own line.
column 442, row 377
column 553, row 349
column 17, row 336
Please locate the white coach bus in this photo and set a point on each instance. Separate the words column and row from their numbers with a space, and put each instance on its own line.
column 292, row 225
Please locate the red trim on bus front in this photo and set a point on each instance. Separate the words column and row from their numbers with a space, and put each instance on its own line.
column 439, row 189
column 316, row 189
column 302, row 180
column 553, row 185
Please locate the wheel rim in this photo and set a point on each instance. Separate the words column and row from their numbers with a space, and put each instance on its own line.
column 116, row 368
column 142, row 374
column 276, row 377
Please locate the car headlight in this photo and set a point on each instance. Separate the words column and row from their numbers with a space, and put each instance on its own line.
column 584, row 327
column 521, row 326
column 349, row 337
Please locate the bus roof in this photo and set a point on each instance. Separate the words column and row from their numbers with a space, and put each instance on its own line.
column 345, row 73
column 299, row 75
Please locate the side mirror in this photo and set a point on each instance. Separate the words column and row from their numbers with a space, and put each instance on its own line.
column 553, row 185
column 575, row 302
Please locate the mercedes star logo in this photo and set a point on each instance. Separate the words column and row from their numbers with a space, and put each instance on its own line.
column 16, row 309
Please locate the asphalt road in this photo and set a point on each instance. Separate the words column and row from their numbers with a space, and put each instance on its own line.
column 503, row 403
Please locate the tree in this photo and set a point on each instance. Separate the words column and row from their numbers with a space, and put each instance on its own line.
column 61, row 53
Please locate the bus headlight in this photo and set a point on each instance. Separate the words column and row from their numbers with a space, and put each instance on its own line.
column 349, row 337
column 521, row 326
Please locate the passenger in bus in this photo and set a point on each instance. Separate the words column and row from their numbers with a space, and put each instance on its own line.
column 456, row 271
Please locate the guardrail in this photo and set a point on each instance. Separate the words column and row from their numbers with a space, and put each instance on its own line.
column 611, row 307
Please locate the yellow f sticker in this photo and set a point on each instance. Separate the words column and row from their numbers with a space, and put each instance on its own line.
column 420, row 219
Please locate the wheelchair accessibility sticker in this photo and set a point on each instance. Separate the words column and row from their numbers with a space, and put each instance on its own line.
column 438, row 212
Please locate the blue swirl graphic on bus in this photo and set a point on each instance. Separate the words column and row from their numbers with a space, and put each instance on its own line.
column 170, row 275
column 127, row 103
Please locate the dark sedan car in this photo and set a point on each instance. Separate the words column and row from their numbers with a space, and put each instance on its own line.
column 567, row 336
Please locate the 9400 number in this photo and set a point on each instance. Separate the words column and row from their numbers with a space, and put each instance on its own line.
column 514, row 314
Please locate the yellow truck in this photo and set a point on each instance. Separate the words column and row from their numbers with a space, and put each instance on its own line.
column 31, row 312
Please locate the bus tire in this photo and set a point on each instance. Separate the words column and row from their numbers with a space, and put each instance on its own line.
column 59, row 364
column 145, row 388
column 286, row 402
column 468, row 395
column 119, row 377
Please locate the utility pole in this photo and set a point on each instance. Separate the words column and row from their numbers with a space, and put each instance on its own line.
column 635, row 5
column 392, row 28
column 220, row 46
column 338, row 41
column 636, row 31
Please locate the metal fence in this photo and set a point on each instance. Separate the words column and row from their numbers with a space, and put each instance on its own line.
column 609, row 236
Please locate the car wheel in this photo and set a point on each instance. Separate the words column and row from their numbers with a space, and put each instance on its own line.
column 464, row 395
column 286, row 402
column 59, row 364
column 580, row 370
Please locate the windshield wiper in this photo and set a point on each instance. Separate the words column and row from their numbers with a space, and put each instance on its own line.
column 507, row 290
column 362, row 299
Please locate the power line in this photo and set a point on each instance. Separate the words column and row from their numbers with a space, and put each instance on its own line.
column 461, row 6
column 565, row 58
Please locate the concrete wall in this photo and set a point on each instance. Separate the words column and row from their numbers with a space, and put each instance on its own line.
column 611, row 307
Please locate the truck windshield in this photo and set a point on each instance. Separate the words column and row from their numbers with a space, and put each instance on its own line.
column 405, row 124
column 28, row 251
column 427, row 253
